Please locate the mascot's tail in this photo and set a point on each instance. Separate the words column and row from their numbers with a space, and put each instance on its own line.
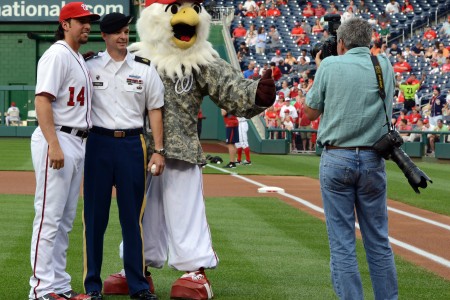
column 135, row 47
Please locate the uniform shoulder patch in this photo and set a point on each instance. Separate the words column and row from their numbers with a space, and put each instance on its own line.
column 142, row 60
column 90, row 55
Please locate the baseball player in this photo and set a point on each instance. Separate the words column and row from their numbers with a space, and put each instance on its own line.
column 63, row 104
column 12, row 114
column 232, row 136
column 124, row 86
column 242, row 145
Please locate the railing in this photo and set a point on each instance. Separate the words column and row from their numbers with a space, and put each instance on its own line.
column 220, row 13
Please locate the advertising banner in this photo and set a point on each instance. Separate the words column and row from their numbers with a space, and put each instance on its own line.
column 48, row 10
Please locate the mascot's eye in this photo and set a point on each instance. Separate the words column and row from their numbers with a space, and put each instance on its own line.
column 197, row 7
column 173, row 8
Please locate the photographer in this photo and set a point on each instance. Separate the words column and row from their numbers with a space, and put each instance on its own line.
column 352, row 174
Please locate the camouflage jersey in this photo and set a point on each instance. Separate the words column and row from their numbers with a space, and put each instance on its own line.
column 225, row 86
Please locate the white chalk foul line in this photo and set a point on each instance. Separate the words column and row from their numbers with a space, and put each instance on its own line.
column 394, row 241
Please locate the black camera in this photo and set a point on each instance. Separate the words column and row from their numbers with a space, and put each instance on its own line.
column 329, row 47
column 388, row 146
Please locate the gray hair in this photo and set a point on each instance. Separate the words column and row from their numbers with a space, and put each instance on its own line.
column 355, row 32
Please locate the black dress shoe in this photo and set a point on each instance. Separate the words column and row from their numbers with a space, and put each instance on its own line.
column 144, row 295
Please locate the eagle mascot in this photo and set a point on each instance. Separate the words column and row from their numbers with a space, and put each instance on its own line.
column 173, row 36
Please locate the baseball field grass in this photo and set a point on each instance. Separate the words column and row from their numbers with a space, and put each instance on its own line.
column 267, row 249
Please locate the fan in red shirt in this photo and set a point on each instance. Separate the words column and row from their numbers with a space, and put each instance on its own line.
column 239, row 31
column 308, row 11
column 429, row 34
column 276, row 73
column 297, row 30
column 320, row 11
column 303, row 39
column 294, row 91
column 402, row 65
column 273, row 11
column 414, row 116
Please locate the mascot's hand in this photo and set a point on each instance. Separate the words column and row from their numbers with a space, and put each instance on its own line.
column 266, row 91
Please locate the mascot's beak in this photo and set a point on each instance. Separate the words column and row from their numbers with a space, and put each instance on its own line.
column 184, row 24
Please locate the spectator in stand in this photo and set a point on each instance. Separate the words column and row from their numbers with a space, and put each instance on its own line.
column 303, row 39
column 384, row 32
column 446, row 67
column 285, row 68
column 262, row 11
column 251, row 36
column 319, row 11
column 276, row 73
column 315, row 126
column 304, row 53
column 436, row 104
column 407, row 7
column 394, row 50
column 445, row 29
column 372, row 21
column 362, row 8
column 290, row 60
column 242, row 52
column 317, row 28
column 302, row 66
column 325, row 36
column 375, row 36
column 304, row 123
column 409, row 89
column 264, row 69
column 308, row 11
column 383, row 18
column 435, row 138
column 332, row 8
column 277, row 58
column 401, row 116
column 352, row 5
column 271, row 118
column 251, row 12
column 418, row 49
column 261, row 41
column 414, row 116
column 288, row 109
column 445, row 51
column 249, row 4
column 240, row 11
column 384, row 50
column 239, row 31
column 376, row 48
column 402, row 65
column 305, row 26
column 255, row 75
column 274, row 37
column 285, row 89
column 297, row 30
column 406, row 52
column 294, row 90
column 392, row 7
column 429, row 53
column 429, row 34
column 404, row 126
column 273, row 11
column 440, row 58
column 418, row 126
column 249, row 71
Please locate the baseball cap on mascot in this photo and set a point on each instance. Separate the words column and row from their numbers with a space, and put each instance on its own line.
column 76, row 10
column 150, row 2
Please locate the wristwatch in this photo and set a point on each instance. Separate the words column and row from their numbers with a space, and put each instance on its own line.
column 161, row 151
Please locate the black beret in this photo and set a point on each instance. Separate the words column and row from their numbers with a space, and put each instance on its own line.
column 113, row 22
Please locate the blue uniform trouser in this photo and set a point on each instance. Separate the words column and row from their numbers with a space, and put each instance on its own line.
column 119, row 162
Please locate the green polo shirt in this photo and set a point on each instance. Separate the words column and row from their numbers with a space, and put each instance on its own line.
column 345, row 90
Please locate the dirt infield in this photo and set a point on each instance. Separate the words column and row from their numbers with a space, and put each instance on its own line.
column 432, row 240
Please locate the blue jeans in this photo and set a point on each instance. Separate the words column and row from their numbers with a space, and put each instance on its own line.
column 353, row 180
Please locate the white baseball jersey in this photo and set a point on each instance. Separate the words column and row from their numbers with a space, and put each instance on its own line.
column 292, row 111
column 63, row 73
column 122, row 91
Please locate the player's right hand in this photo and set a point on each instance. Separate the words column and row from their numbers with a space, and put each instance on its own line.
column 56, row 157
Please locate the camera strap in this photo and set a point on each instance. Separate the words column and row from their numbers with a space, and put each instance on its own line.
column 381, row 92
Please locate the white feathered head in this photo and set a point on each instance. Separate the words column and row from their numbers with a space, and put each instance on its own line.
column 174, row 36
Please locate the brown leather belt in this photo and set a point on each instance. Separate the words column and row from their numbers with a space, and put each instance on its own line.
column 349, row 148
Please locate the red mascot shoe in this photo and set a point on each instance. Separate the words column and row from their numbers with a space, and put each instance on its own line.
column 116, row 284
column 192, row 286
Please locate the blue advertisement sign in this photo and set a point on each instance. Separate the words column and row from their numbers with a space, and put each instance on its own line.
column 48, row 10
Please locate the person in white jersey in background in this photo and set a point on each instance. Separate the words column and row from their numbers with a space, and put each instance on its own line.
column 242, row 145
column 63, row 104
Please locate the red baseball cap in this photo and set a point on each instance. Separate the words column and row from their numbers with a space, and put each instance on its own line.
column 74, row 10
column 281, row 94
column 150, row 2
column 295, row 83
column 277, row 51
